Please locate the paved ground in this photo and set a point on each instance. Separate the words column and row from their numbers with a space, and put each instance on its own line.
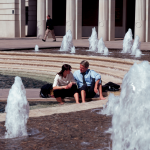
column 30, row 42
column 22, row 43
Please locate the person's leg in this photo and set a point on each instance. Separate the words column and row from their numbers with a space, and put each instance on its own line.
column 58, row 95
column 100, row 92
column 46, row 34
column 76, row 96
column 83, row 90
column 53, row 34
column 59, row 99
column 83, row 95
column 73, row 92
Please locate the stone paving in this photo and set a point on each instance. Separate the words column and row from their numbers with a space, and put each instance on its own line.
column 30, row 42
column 25, row 43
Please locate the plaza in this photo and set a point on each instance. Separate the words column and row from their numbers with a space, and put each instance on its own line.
column 17, row 57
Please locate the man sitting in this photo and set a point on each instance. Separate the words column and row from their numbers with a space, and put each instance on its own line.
column 88, row 81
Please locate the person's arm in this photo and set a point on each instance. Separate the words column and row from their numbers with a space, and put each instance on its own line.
column 96, row 86
column 59, row 87
column 72, row 80
column 55, row 84
column 97, row 77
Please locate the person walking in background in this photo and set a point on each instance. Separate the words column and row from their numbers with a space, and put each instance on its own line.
column 49, row 28
column 64, row 85
column 88, row 81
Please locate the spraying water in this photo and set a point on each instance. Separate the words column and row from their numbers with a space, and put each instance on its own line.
column 73, row 50
column 93, row 41
column 138, row 53
column 36, row 48
column 136, row 48
column 67, row 43
column 136, row 45
column 100, row 46
column 127, row 42
column 106, row 52
column 131, row 110
column 17, row 110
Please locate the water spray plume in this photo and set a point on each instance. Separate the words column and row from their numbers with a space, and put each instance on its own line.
column 127, row 42
column 131, row 110
column 93, row 41
column 100, row 46
column 36, row 48
column 17, row 110
column 67, row 43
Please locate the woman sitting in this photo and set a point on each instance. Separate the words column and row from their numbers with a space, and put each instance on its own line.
column 64, row 85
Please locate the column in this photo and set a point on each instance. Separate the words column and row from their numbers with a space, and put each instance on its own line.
column 140, row 19
column 78, row 19
column 22, row 18
column 147, row 20
column 49, row 11
column 103, row 20
column 70, row 16
column 41, row 18
column 111, row 20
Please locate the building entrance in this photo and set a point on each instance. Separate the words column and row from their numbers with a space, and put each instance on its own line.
column 130, row 15
column 89, row 16
column 59, row 17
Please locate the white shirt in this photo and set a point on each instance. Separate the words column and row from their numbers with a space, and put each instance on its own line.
column 61, row 81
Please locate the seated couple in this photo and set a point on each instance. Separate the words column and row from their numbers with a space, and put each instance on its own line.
column 84, row 82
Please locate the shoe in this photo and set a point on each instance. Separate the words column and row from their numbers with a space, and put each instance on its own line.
column 54, row 40
column 43, row 40
column 112, row 89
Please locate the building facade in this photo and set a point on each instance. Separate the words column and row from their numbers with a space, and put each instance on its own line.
column 112, row 18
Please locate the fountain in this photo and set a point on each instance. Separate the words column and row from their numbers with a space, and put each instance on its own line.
column 136, row 45
column 106, row 52
column 138, row 53
column 93, row 41
column 100, row 46
column 73, row 50
column 136, row 48
column 67, row 43
column 36, row 48
column 131, row 110
column 127, row 42
column 17, row 110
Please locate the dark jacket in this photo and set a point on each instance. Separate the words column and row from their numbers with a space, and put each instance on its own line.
column 49, row 23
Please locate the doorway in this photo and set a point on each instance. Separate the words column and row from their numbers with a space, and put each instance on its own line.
column 59, row 16
column 89, row 16
column 130, row 15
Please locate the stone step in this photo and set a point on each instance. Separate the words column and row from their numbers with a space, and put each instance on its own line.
column 44, row 74
column 32, row 61
column 115, row 73
column 98, row 58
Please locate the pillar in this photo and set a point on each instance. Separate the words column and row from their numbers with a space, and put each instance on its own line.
column 140, row 19
column 49, row 12
column 21, row 18
column 78, row 19
column 111, row 20
column 41, row 18
column 70, row 16
column 147, row 20
column 103, row 20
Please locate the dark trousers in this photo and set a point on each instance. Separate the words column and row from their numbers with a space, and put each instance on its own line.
column 66, row 92
column 88, row 89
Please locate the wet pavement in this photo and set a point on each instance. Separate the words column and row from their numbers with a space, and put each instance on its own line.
column 116, row 53
column 83, row 130
column 6, row 81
